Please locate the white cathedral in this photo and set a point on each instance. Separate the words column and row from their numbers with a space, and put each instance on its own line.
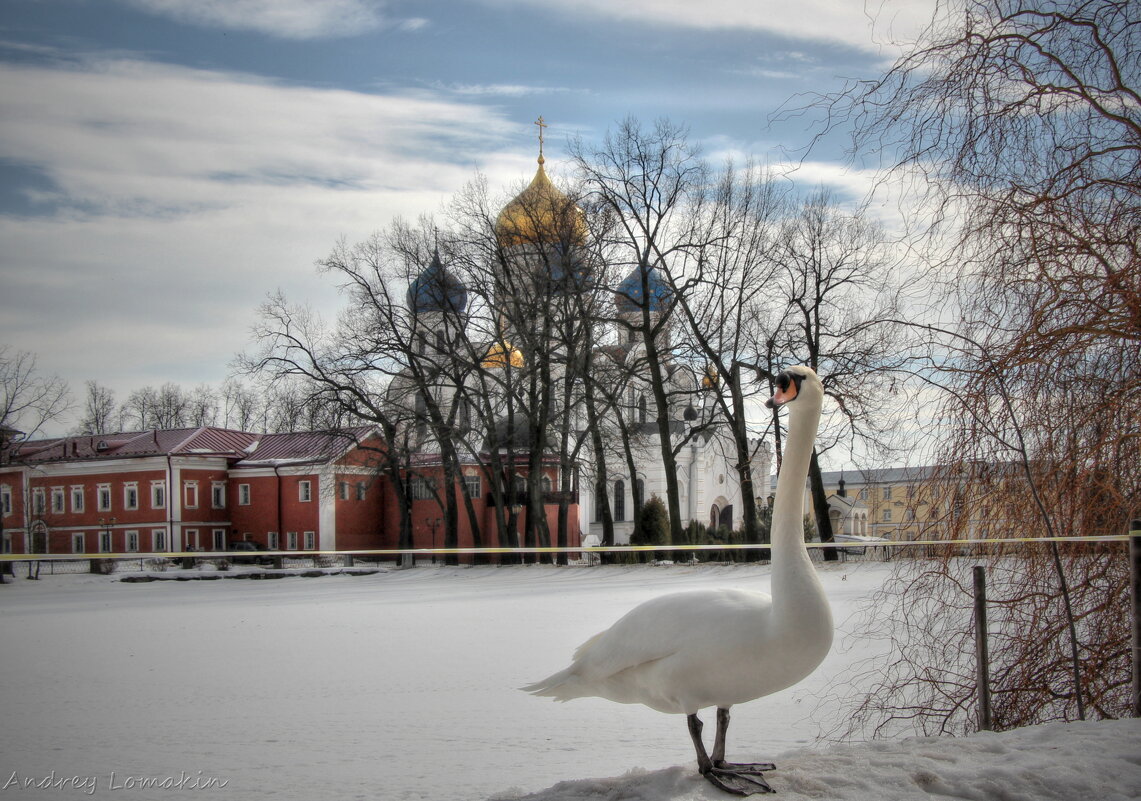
column 543, row 238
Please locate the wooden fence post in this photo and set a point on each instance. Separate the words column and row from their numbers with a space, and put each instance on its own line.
column 1135, row 597
column 982, row 653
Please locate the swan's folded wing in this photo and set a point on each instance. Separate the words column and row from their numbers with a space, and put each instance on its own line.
column 654, row 630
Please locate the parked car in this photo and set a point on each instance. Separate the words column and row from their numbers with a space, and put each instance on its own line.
column 248, row 553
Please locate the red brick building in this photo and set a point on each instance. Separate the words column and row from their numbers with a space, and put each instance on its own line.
column 189, row 489
column 203, row 489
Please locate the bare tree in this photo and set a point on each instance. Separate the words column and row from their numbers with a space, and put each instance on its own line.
column 100, row 412
column 343, row 372
column 28, row 400
column 202, row 406
column 651, row 182
column 724, row 308
column 240, row 405
column 1021, row 127
column 840, row 295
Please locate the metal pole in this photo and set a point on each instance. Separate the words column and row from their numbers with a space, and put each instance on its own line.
column 1135, row 597
column 982, row 654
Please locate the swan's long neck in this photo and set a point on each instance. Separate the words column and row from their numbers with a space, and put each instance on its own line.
column 795, row 586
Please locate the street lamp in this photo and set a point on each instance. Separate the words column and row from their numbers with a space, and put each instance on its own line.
column 434, row 523
column 106, row 526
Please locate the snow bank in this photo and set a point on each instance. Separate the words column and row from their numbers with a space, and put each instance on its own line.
column 401, row 686
column 1054, row 762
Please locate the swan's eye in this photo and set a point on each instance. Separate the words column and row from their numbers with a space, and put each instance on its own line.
column 783, row 382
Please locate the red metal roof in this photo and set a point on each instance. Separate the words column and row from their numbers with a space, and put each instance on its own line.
column 306, row 446
column 205, row 441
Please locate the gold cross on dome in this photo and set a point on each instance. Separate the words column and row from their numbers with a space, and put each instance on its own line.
column 541, row 125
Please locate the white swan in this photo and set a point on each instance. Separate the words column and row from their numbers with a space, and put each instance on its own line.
column 686, row 651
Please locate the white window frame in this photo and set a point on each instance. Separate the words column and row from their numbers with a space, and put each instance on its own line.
column 887, row 493
column 106, row 541
column 304, row 491
column 158, row 494
column 190, row 539
column 78, row 498
column 887, row 515
column 218, row 494
column 422, row 489
column 291, row 541
column 274, row 540
column 190, row 494
column 5, row 500
column 474, row 486
column 219, row 535
column 158, row 540
column 131, row 540
column 58, row 501
column 362, row 490
column 131, row 495
column 343, row 490
column 103, row 497
column 243, row 495
column 39, row 501
column 78, row 542
column 310, row 540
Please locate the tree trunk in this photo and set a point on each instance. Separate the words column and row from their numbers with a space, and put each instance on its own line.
column 820, row 507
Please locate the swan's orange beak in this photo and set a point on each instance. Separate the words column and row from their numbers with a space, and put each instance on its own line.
column 787, row 386
column 783, row 395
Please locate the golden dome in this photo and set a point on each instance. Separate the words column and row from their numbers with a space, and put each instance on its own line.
column 502, row 354
column 709, row 380
column 540, row 214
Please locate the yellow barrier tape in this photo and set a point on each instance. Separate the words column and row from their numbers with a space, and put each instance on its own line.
column 847, row 544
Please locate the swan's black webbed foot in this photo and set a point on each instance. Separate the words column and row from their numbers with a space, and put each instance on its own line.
column 738, row 782
column 735, row 778
column 746, row 767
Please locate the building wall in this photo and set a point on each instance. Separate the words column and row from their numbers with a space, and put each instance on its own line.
column 902, row 503
column 12, row 519
column 105, row 507
column 186, row 501
column 358, row 515
column 279, row 505
column 199, row 520
column 254, row 520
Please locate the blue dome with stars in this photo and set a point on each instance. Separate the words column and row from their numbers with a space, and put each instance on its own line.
column 436, row 290
column 629, row 296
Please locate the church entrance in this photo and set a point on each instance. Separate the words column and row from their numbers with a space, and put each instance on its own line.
column 39, row 534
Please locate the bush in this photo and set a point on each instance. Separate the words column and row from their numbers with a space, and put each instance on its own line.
column 653, row 527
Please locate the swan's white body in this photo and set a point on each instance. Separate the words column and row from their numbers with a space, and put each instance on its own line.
column 686, row 651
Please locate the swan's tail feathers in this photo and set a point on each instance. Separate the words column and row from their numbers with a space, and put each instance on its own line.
column 562, row 686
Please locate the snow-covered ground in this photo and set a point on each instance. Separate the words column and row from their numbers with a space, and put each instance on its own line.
column 401, row 686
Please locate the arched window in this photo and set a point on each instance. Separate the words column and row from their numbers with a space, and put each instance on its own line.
column 545, row 483
column 599, row 499
column 619, row 501
column 642, row 411
column 714, row 517
column 639, row 493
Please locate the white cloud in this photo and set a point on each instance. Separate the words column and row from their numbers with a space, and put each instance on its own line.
column 505, row 89
column 288, row 19
column 864, row 25
column 181, row 197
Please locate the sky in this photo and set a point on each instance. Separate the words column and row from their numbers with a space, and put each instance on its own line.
column 167, row 164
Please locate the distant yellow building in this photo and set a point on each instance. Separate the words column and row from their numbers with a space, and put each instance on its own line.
column 918, row 503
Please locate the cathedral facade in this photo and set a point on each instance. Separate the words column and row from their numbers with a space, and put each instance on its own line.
column 562, row 367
